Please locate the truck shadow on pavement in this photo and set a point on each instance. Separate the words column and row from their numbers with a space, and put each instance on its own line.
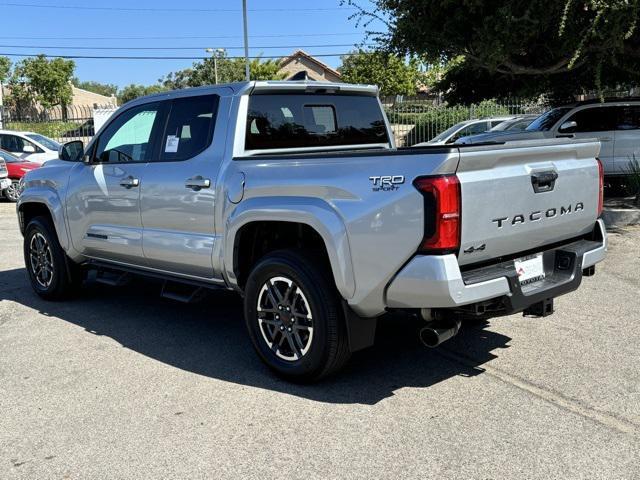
column 209, row 339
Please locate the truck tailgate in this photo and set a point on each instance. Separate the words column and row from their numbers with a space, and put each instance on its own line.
column 521, row 196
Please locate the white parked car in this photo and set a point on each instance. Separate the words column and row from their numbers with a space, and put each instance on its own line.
column 29, row 146
column 464, row 129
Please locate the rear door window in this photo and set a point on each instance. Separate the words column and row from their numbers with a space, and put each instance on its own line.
column 628, row 117
column 189, row 128
column 296, row 121
column 595, row 119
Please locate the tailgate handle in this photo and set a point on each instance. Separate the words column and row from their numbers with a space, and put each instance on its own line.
column 544, row 181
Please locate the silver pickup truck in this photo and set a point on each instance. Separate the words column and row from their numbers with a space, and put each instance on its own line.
column 294, row 195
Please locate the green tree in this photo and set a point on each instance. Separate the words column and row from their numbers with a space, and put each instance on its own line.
column 264, row 70
column 42, row 81
column 391, row 73
column 515, row 47
column 229, row 70
column 106, row 89
column 133, row 91
column 5, row 69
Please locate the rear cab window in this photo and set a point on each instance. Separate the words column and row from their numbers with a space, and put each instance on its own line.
column 300, row 121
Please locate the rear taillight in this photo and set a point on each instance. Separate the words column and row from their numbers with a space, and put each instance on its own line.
column 601, row 189
column 442, row 207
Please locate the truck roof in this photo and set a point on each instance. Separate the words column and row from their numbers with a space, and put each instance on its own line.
column 241, row 88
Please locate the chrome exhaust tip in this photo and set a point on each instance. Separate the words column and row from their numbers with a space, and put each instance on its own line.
column 438, row 331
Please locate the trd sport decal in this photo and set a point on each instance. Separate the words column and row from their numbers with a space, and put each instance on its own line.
column 386, row 183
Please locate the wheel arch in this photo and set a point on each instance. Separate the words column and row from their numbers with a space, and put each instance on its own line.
column 46, row 204
column 312, row 217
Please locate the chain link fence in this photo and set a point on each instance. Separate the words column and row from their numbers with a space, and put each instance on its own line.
column 418, row 119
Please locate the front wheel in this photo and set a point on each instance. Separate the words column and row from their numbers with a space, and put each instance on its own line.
column 293, row 315
column 52, row 275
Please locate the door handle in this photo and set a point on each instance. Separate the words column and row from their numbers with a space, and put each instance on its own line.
column 197, row 183
column 129, row 182
column 605, row 139
column 544, row 181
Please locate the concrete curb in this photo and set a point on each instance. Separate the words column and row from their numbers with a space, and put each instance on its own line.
column 621, row 217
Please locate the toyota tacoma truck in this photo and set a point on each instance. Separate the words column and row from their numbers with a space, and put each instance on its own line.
column 294, row 195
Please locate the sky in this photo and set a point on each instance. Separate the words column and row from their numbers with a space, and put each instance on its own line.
column 47, row 25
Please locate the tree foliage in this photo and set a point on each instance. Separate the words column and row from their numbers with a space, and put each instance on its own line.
column 516, row 47
column 229, row 70
column 390, row 72
column 42, row 81
column 5, row 69
column 106, row 89
column 133, row 91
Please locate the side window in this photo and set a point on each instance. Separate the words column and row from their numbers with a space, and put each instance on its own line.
column 129, row 138
column 189, row 127
column 15, row 144
column 495, row 123
column 628, row 118
column 472, row 129
column 597, row 119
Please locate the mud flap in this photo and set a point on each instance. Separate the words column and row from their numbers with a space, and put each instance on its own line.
column 360, row 331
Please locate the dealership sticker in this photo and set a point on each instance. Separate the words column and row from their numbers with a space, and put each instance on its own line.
column 172, row 144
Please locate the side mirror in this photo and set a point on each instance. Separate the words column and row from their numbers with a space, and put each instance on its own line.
column 71, row 151
column 568, row 127
column 28, row 149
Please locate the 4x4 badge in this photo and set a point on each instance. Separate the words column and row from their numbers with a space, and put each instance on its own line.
column 473, row 249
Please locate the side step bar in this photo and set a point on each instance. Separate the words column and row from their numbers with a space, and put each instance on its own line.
column 181, row 292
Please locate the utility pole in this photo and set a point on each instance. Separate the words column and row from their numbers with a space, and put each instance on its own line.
column 216, row 53
column 246, row 41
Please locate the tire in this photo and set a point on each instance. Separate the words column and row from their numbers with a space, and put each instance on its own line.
column 308, row 341
column 12, row 193
column 52, row 275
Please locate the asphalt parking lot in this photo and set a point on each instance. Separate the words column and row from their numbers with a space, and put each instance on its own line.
column 122, row 384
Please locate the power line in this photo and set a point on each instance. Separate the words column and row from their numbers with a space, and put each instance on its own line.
column 131, row 57
column 173, row 10
column 66, row 47
column 190, row 37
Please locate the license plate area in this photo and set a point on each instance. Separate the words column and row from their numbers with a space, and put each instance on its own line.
column 530, row 269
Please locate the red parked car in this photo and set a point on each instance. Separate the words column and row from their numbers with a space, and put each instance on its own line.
column 17, row 168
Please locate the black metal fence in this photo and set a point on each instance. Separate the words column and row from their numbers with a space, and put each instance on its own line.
column 413, row 119
column 63, row 124
column 418, row 119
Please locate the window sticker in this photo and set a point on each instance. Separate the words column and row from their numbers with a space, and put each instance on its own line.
column 172, row 144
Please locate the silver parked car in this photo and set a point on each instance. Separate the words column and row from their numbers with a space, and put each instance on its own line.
column 615, row 122
column 519, row 123
column 463, row 129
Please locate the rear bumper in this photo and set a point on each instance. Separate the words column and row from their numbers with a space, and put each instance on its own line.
column 438, row 282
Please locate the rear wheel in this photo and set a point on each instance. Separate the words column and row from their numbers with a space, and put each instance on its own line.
column 293, row 315
column 13, row 191
column 52, row 275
